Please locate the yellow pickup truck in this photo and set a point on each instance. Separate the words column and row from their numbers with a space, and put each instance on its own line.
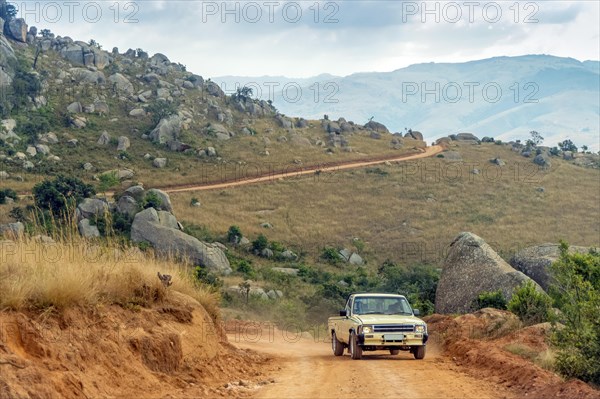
column 372, row 322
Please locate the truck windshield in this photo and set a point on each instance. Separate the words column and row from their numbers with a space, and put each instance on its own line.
column 381, row 305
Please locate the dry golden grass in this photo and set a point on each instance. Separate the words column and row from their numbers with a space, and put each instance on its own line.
column 411, row 211
column 82, row 273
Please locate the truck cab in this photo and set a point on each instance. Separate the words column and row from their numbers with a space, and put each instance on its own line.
column 377, row 322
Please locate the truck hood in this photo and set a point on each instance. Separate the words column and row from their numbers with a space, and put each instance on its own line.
column 388, row 319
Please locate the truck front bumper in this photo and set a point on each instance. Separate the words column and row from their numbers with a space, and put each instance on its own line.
column 390, row 340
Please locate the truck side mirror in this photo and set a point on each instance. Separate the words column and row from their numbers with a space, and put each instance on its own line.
column 343, row 313
column 416, row 312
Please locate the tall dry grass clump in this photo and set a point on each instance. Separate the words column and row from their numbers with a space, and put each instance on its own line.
column 41, row 275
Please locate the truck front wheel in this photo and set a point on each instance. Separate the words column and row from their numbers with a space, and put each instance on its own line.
column 419, row 352
column 355, row 349
column 337, row 346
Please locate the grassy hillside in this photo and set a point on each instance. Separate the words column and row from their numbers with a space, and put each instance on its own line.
column 411, row 211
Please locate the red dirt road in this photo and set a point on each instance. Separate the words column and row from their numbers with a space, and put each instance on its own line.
column 427, row 152
column 309, row 370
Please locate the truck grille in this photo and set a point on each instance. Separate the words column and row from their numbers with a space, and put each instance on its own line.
column 388, row 328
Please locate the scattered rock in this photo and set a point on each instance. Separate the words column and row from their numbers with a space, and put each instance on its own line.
column 137, row 112
column 87, row 230
column 543, row 161
column 124, row 143
column 535, row 261
column 104, row 139
column 91, row 207
column 12, row 229
column 42, row 149
column 159, row 162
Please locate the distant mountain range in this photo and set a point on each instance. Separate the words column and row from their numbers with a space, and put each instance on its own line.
column 503, row 97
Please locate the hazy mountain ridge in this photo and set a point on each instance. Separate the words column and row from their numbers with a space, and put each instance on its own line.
column 558, row 97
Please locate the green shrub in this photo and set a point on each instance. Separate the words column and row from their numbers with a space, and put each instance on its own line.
column 8, row 193
column 61, row 193
column 161, row 109
column 417, row 282
column 576, row 292
column 151, row 200
column 18, row 214
column 201, row 232
column 234, row 234
column 331, row 255
column 205, row 277
column 276, row 246
column 493, row 299
column 260, row 243
column 531, row 305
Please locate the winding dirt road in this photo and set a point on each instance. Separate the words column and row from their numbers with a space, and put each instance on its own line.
column 309, row 370
column 427, row 152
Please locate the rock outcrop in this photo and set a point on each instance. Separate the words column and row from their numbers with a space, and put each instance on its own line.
column 535, row 261
column 152, row 227
column 472, row 267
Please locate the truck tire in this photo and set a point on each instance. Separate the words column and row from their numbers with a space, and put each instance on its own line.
column 419, row 352
column 394, row 351
column 336, row 346
column 355, row 350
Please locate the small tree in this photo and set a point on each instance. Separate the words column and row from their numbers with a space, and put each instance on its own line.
column 568, row 145
column 46, row 33
column 243, row 93
column 107, row 181
column 260, row 243
column 536, row 138
column 161, row 109
column 576, row 292
column 234, row 234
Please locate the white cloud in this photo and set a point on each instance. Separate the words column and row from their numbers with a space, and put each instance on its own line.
column 368, row 35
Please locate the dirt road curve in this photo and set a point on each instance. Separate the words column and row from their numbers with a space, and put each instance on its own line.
column 428, row 152
column 309, row 370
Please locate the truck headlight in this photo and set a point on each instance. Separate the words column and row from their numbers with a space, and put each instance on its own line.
column 367, row 329
column 420, row 329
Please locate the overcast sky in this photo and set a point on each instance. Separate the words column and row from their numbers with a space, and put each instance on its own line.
column 307, row 38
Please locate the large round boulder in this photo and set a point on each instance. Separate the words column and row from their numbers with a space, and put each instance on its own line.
column 472, row 267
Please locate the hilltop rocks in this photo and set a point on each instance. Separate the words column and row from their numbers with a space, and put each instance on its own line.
column 166, row 130
column 80, row 53
column 414, row 135
column 466, row 137
column 376, row 126
column 535, row 261
column 121, row 83
column 17, row 28
column 82, row 75
column 471, row 267
column 147, row 227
